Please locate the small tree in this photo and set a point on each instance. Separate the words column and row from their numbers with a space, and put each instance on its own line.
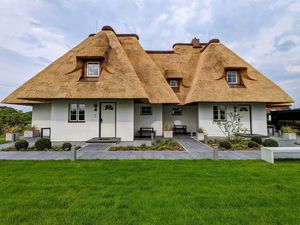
column 231, row 127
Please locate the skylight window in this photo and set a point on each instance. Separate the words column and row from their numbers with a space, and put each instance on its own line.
column 93, row 69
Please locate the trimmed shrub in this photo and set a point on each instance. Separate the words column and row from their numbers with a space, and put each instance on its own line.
column 253, row 144
column 225, row 144
column 257, row 139
column 21, row 144
column 43, row 144
column 287, row 129
column 270, row 143
column 66, row 146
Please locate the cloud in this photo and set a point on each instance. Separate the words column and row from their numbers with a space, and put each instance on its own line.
column 264, row 32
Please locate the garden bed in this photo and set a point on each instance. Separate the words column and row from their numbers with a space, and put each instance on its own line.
column 242, row 145
column 42, row 144
column 158, row 145
column 53, row 148
column 239, row 143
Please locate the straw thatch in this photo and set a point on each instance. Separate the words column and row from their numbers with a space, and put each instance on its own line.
column 130, row 72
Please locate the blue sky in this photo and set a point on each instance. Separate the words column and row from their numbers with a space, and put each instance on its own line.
column 266, row 33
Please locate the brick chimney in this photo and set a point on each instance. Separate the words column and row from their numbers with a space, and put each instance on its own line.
column 196, row 43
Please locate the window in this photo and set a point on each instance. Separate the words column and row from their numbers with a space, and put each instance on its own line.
column 173, row 83
column 177, row 111
column 108, row 107
column 146, row 110
column 93, row 69
column 76, row 112
column 244, row 109
column 232, row 77
column 219, row 112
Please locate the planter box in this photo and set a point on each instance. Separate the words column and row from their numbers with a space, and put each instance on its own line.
column 11, row 137
column 31, row 133
column 289, row 136
column 200, row 136
column 168, row 134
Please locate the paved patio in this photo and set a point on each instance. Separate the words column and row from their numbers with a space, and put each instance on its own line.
column 194, row 150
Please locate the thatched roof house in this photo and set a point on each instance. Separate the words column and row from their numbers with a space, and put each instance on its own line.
column 130, row 72
column 109, row 86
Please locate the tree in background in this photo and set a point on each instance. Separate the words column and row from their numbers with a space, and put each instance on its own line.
column 10, row 117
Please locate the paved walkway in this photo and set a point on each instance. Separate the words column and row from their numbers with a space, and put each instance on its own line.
column 195, row 150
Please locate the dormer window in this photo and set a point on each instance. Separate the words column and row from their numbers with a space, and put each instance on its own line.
column 232, row 77
column 173, row 84
column 93, row 69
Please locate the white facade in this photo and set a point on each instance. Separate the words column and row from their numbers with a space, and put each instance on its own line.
column 257, row 117
column 189, row 116
column 154, row 120
column 128, row 119
column 41, row 115
column 56, row 116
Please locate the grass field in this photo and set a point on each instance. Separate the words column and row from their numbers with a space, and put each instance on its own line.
column 2, row 140
column 149, row 192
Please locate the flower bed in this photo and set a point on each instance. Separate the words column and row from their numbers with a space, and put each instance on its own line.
column 241, row 144
column 158, row 145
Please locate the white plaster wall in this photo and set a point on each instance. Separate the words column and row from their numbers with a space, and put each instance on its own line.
column 62, row 130
column 259, row 119
column 205, row 118
column 125, row 120
column 41, row 115
column 154, row 120
column 189, row 116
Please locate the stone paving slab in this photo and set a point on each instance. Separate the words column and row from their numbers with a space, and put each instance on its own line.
column 89, row 155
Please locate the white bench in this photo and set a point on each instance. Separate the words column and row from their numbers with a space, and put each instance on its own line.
column 267, row 153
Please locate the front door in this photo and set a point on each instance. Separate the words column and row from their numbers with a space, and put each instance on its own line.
column 244, row 112
column 107, row 120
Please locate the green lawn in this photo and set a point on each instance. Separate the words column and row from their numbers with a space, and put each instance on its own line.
column 2, row 141
column 149, row 192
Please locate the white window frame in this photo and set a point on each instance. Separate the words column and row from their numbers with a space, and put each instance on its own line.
column 219, row 109
column 177, row 108
column 144, row 106
column 233, row 73
column 87, row 69
column 77, row 120
column 173, row 83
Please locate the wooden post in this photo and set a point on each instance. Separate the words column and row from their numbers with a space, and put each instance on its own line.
column 73, row 154
column 215, row 154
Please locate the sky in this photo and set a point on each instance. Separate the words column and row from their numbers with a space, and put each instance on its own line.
column 266, row 33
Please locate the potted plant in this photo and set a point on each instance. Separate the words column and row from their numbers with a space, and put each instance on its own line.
column 288, row 133
column 168, row 131
column 31, row 131
column 12, row 133
column 200, row 134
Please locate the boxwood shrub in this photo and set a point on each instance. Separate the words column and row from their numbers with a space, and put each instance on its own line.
column 66, row 146
column 43, row 144
column 253, row 144
column 21, row 144
column 270, row 143
column 225, row 144
column 257, row 139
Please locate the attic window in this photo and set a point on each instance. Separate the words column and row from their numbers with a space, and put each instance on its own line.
column 232, row 77
column 173, row 83
column 93, row 69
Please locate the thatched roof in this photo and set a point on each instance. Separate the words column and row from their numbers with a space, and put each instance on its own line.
column 130, row 72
